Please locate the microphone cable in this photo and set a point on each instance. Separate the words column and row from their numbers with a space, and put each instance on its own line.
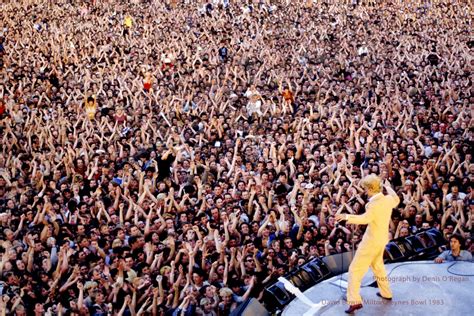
column 459, row 274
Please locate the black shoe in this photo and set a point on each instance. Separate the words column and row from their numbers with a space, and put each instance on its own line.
column 385, row 298
column 353, row 308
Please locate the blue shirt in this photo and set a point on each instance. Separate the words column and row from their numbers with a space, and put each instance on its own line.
column 464, row 255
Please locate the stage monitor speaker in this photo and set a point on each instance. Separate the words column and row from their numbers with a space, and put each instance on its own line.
column 319, row 269
column 276, row 297
column 437, row 236
column 295, row 279
column 250, row 307
column 393, row 252
column 432, row 239
column 339, row 263
column 398, row 249
column 302, row 278
column 426, row 240
column 416, row 244
column 423, row 245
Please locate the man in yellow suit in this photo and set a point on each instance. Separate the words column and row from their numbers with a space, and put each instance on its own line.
column 371, row 249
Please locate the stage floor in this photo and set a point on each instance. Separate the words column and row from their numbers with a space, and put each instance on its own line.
column 419, row 288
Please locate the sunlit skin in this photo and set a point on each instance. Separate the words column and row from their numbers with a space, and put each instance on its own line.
column 160, row 146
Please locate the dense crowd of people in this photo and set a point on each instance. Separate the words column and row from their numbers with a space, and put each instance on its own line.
column 175, row 157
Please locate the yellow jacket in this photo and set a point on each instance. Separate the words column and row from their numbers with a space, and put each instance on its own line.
column 377, row 217
column 128, row 21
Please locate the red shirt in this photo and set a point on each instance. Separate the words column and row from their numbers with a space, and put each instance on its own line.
column 147, row 86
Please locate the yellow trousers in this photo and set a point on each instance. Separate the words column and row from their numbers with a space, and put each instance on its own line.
column 367, row 255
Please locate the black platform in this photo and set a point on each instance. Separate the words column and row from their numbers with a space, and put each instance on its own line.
column 419, row 288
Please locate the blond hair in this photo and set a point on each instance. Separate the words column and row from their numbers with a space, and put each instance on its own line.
column 371, row 183
column 225, row 291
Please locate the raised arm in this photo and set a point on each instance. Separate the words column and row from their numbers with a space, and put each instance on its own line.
column 392, row 193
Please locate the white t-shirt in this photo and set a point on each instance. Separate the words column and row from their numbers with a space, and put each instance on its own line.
column 461, row 196
column 166, row 58
column 255, row 104
column 363, row 50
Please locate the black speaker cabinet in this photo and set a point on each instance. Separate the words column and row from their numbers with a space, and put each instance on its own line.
column 250, row 307
column 276, row 296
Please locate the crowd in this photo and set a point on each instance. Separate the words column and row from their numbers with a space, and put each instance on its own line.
column 174, row 157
